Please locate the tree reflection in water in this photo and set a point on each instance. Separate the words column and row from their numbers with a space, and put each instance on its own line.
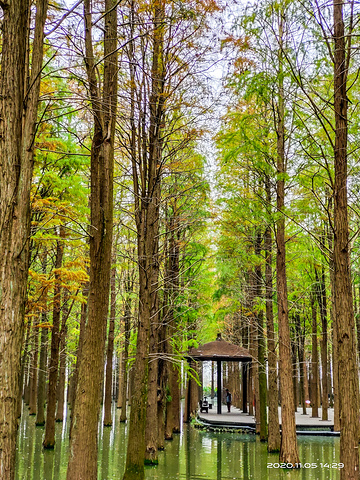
column 192, row 455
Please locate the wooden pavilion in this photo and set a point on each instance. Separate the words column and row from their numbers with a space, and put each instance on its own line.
column 222, row 351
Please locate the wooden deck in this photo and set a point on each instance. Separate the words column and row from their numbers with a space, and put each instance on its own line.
column 237, row 418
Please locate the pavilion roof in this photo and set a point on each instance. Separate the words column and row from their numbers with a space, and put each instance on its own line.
column 220, row 350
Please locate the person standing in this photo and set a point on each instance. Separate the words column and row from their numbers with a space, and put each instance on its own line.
column 228, row 399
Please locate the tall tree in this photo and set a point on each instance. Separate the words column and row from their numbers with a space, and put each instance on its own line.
column 288, row 449
column 344, row 311
column 84, row 442
column 146, row 172
column 18, row 113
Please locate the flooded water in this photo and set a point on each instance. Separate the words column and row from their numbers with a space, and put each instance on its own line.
column 193, row 455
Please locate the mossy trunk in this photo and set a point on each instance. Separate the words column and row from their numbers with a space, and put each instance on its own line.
column 173, row 404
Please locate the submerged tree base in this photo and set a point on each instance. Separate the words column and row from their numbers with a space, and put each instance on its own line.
column 151, row 455
column 134, row 472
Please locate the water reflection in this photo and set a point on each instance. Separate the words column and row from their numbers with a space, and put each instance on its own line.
column 219, row 459
column 105, row 451
column 48, row 456
column 192, row 455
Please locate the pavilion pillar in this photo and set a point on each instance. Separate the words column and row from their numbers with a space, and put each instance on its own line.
column 244, row 386
column 219, row 392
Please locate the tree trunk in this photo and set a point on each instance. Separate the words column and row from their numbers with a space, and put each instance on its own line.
column 295, row 372
column 84, row 439
column 124, row 365
column 110, row 350
column 151, row 432
column 75, row 375
column 66, row 310
column 62, row 370
column 301, row 354
column 252, row 344
column 274, row 430
column 289, row 448
column 17, row 131
column 24, row 375
column 161, row 398
column 357, row 319
column 321, row 297
column 41, row 390
column 173, row 406
column 334, row 336
column 34, row 371
column 147, row 204
column 120, row 380
column 172, row 285
column 49, row 439
column 59, row 417
column 344, row 314
column 314, row 362
column 261, row 348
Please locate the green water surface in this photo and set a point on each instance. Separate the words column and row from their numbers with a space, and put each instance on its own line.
column 192, row 455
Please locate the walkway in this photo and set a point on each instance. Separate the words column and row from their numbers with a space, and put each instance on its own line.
column 237, row 417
